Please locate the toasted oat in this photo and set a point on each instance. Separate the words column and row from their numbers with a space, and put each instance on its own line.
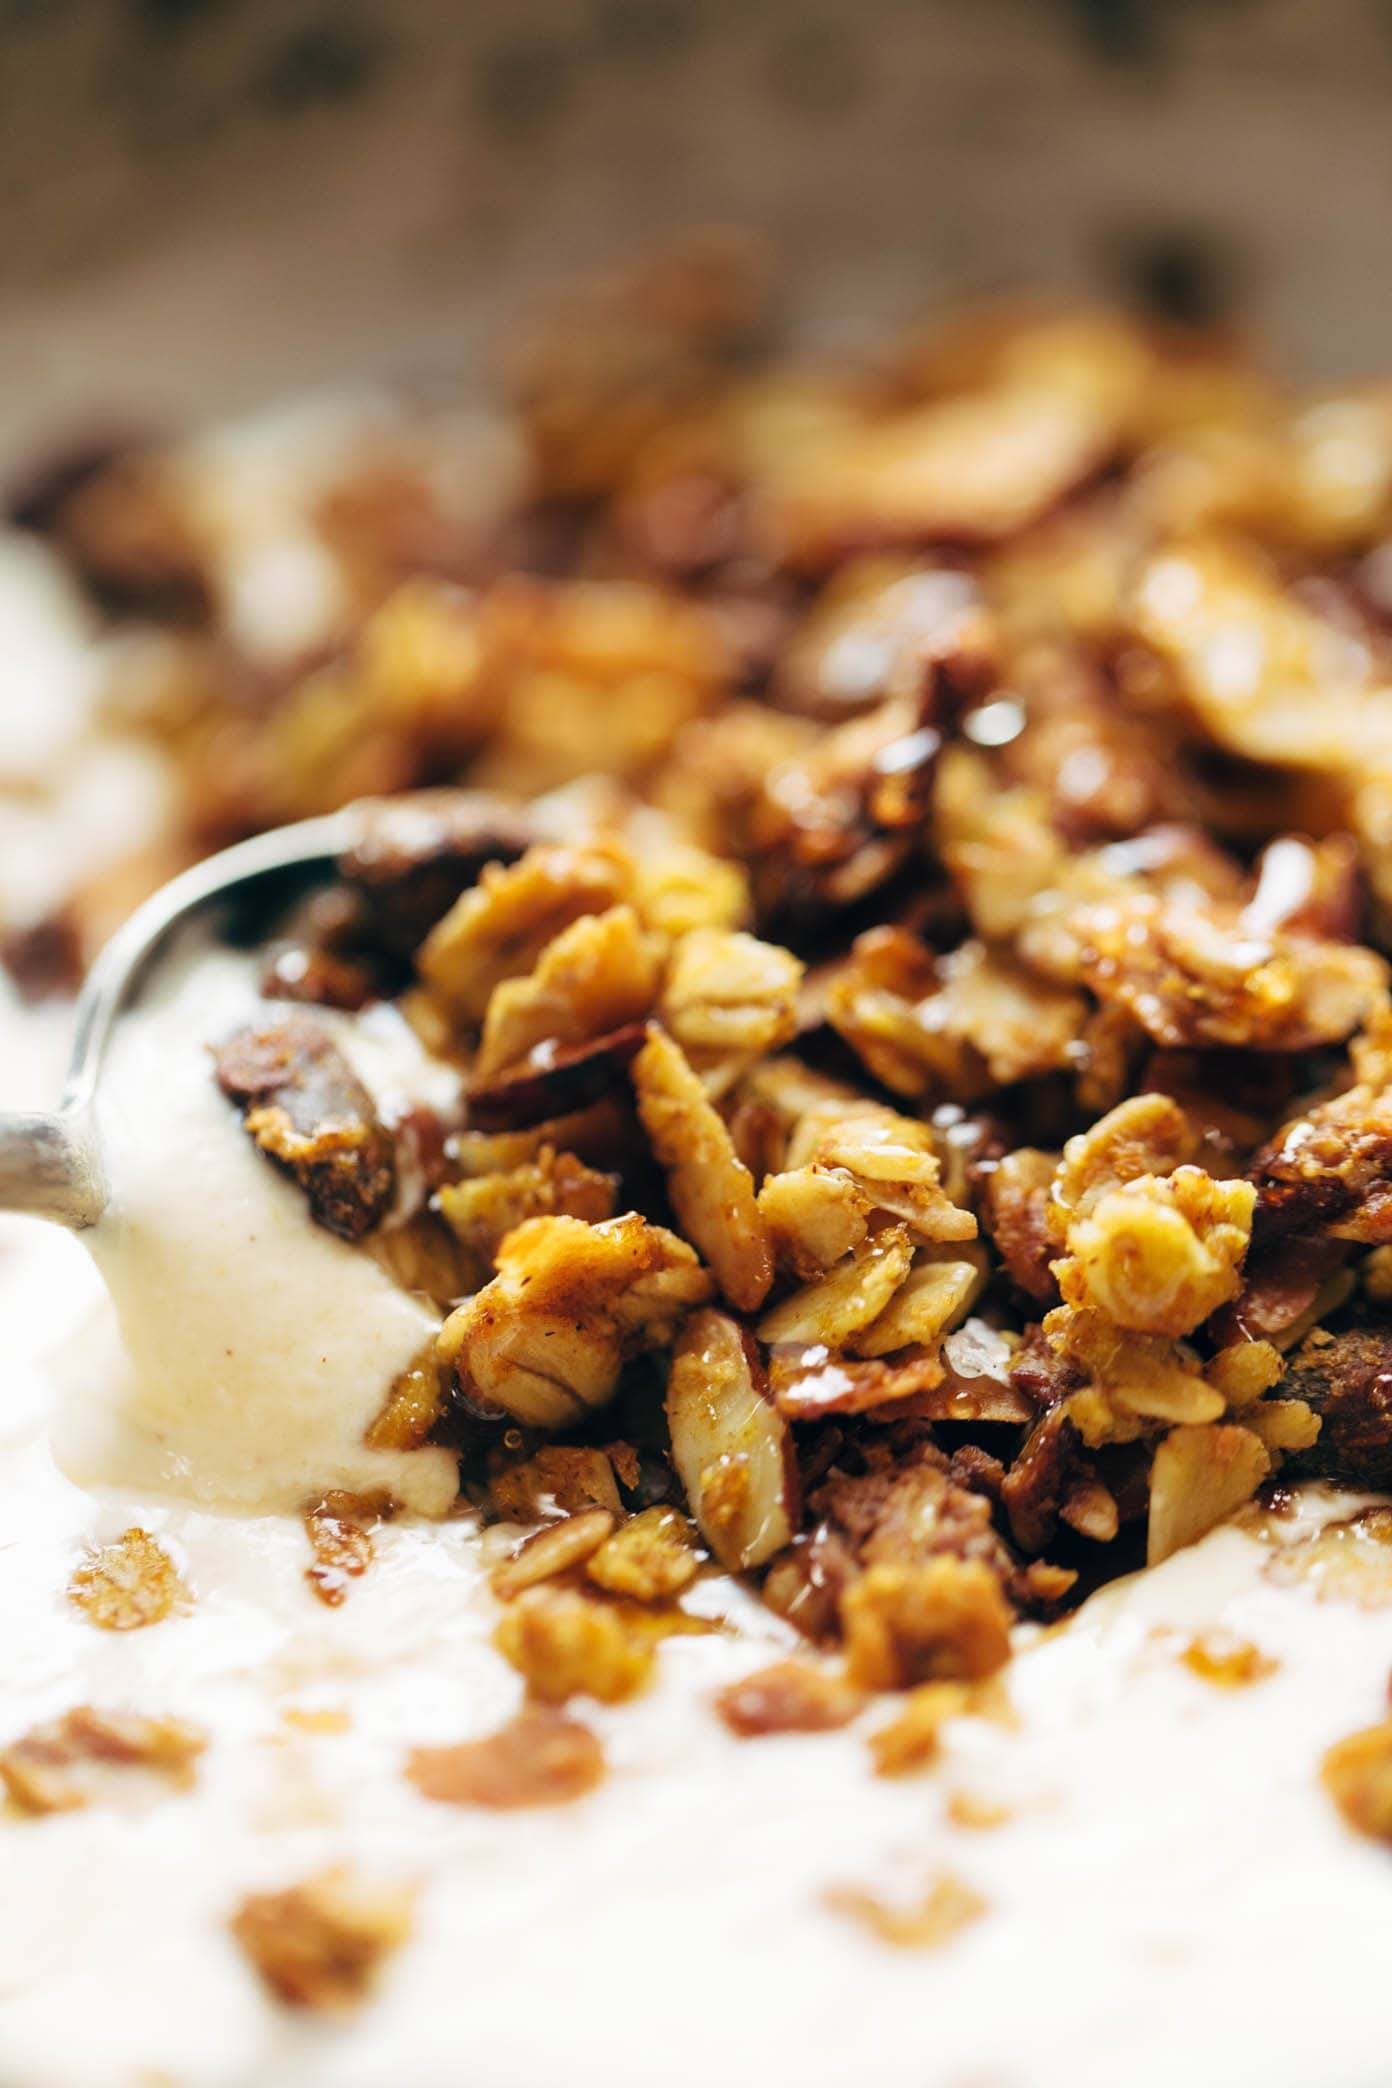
column 892, row 1159
column 1199, row 1477
column 792, row 1696
column 813, row 1216
column 1161, row 1253
column 945, row 1620
column 851, row 1297
column 732, row 1449
column 948, row 1907
column 564, row 1643
column 558, row 1479
column 499, row 928
column 541, row 1758
column 1231, row 1662
column 650, row 1558
column 307, row 1110
column 1357, row 1773
column 711, row 1189
column 727, row 1000
column 940, row 1289
column 912, row 1738
column 339, row 1529
column 129, row 1583
column 68, row 1762
column 596, row 975
column 321, row 1944
column 552, row 1550
column 484, row 1210
column 570, row 1302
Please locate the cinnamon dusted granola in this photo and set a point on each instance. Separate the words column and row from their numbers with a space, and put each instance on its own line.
column 320, row 1945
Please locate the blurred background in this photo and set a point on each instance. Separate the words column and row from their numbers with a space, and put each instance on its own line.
column 203, row 201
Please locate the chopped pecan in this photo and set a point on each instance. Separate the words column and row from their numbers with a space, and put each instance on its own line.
column 541, row 1757
column 307, row 1109
column 1346, row 1379
column 321, row 1944
column 415, row 856
column 570, row 1302
column 554, row 1082
column 1015, row 1211
column 129, row 1583
column 792, row 1696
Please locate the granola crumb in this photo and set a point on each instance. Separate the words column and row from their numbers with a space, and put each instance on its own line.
column 945, row 1909
column 945, row 1620
column 68, row 1762
column 1357, row 1774
column 791, row 1696
column 1231, row 1662
column 650, row 1558
column 127, row 1584
column 551, row 1551
column 565, row 1644
column 320, row 1945
column 912, row 1738
column 974, row 1811
column 541, row 1758
column 339, row 1529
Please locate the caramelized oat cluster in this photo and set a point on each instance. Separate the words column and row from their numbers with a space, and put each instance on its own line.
column 927, row 1124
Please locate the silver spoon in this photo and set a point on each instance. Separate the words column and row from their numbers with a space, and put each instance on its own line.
column 50, row 1165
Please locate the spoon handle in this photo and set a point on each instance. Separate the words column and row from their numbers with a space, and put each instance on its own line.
column 48, row 1167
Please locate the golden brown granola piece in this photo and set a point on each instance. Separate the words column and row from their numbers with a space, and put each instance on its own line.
column 792, row 1696
column 1199, row 1477
column 850, row 1298
column 732, row 1449
column 1161, row 1253
column 1015, row 1212
column 69, row 1761
column 541, row 1757
column 893, row 1159
column 596, row 975
column 813, row 1216
column 129, row 1583
column 339, row 1529
column 944, row 1911
column 552, row 1550
column 498, row 929
column 413, row 1405
column 557, row 1479
column 1227, row 1661
column 944, row 1620
column 321, row 1944
column 940, row 1289
column 1345, row 1561
column 999, row 845
column 570, row 1303
column 1146, row 1135
column 955, row 1027
column 1331, row 1169
column 887, row 626
column 309, row 1112
column 1357, row 1773
column 1346, row 1379
column 711, row 1190
column 728, row 999
column 806, row 1382
column 650, row 1558
column 1200, row 976
column 912, row 1737
column 483, row 1211
column 564, row 1643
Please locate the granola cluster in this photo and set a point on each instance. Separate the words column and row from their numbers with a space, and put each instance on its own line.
column 900, row 860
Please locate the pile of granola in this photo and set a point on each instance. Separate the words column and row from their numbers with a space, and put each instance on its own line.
column 901, row 857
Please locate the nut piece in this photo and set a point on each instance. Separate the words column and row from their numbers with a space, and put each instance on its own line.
column 540, row 1758
column 946, row 1620
column 732, row 1449
column 1199, row 1477
column 651, row 1558
column 308, row 1111
column 569, row 1305
column 552, row 1551
column 1357, row 1774
column 813, row 1216
column 711, row 1189
column 499, row 928
column 320, row 1945
column 792, row 1696
column 567, row 1644
column 127, row 1584
column 68, row 1762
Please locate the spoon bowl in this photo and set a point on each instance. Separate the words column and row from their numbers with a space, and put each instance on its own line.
column 50, row 1164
